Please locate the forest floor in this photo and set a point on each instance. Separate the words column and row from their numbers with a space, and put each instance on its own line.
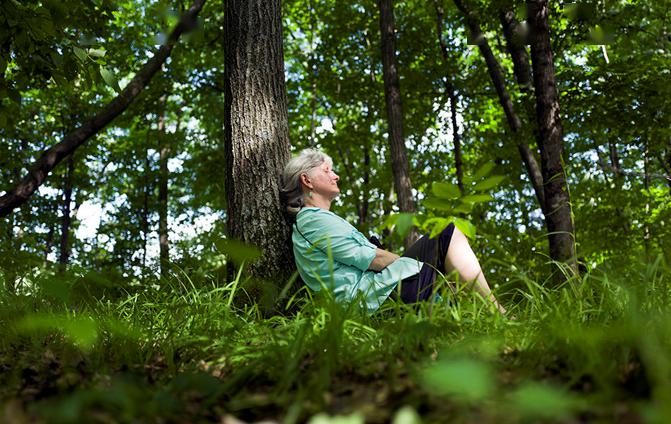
column 595, row 349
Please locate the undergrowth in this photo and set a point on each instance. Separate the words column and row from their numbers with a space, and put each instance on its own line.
column 595, row 349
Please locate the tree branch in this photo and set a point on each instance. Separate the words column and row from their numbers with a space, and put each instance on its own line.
column 40, row 169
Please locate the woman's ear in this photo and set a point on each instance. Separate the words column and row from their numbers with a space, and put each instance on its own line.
column 305, row 180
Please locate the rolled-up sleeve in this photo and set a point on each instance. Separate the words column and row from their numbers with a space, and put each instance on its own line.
column 345, row 243
column 353, row 249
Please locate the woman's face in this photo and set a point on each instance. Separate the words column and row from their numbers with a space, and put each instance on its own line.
column 324, row 181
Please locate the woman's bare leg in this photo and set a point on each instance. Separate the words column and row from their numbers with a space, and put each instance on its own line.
column 460, row 258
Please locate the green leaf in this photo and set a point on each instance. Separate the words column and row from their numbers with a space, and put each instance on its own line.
column 465, row 227
column 464, row 379
column 438, row 204
column 463, row 208
column 535, row 400
column 477, row 198
column 440, row 225
column 489, row 183
column 80, row 53
column 109, row 78
column 97, row 52
column 56, row 287
column 446, row 190
column 390, row 221
column 82, row 331
column 404, row 223
column 483, row 171
column 238, row 251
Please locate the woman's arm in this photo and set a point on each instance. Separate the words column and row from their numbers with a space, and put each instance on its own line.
column 382, row 259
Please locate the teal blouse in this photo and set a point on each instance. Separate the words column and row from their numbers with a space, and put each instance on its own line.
column 331, row 253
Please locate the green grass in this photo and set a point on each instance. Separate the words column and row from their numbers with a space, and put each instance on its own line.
column 596, row 349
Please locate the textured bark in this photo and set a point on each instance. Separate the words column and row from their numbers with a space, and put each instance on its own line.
column 558, row 217
column 257, row 133
column 392, row 94
column 515, row 40
column 514, row 122
column 451, row 93
column 163, row 178
column 40, row 169
column 515, row 43
column 66, row 219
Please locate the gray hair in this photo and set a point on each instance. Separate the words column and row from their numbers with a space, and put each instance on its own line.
column 292, row 191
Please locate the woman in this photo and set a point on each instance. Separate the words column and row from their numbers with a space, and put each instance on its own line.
column 331, row 253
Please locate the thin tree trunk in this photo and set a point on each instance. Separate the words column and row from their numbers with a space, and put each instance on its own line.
column 392, row 93
column 450, row 91
column 514, row 122
column 66, row 219
column 163, row 178
column 665, row 163
column 257, row 133
column 9, row 271
column 40, row 169
column 313, row 76
column 646, row 185
column 365, row 187
column 145, row 210
column 387, row 204
column 49, row 240
column 558, row 218
column 515, row 44
column 456, row 140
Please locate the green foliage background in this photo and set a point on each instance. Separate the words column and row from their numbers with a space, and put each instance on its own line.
column 113, row 327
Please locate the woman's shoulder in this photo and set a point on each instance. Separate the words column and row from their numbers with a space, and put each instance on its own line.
column 318, row 216
column 314, row 211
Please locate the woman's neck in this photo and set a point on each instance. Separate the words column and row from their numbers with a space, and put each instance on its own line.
column 318, row 202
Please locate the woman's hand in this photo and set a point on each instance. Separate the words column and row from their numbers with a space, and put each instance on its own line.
column 382, row 259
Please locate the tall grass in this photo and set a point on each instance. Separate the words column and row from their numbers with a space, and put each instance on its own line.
column 595, row 349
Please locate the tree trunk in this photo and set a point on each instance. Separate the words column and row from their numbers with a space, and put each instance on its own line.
column 9, row 265
column 145, row 210
column 514, row 122
column 665, row 162
column 40, row 169
column 257, row 133
column 66, row 219
column 450, row 91
column 163, row 178
column 646, row 186
column 515, row 41
column 313, row 77
column 558, row 218
column 392, row 94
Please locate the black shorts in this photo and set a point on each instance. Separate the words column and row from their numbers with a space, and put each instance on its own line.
column 432, row 252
